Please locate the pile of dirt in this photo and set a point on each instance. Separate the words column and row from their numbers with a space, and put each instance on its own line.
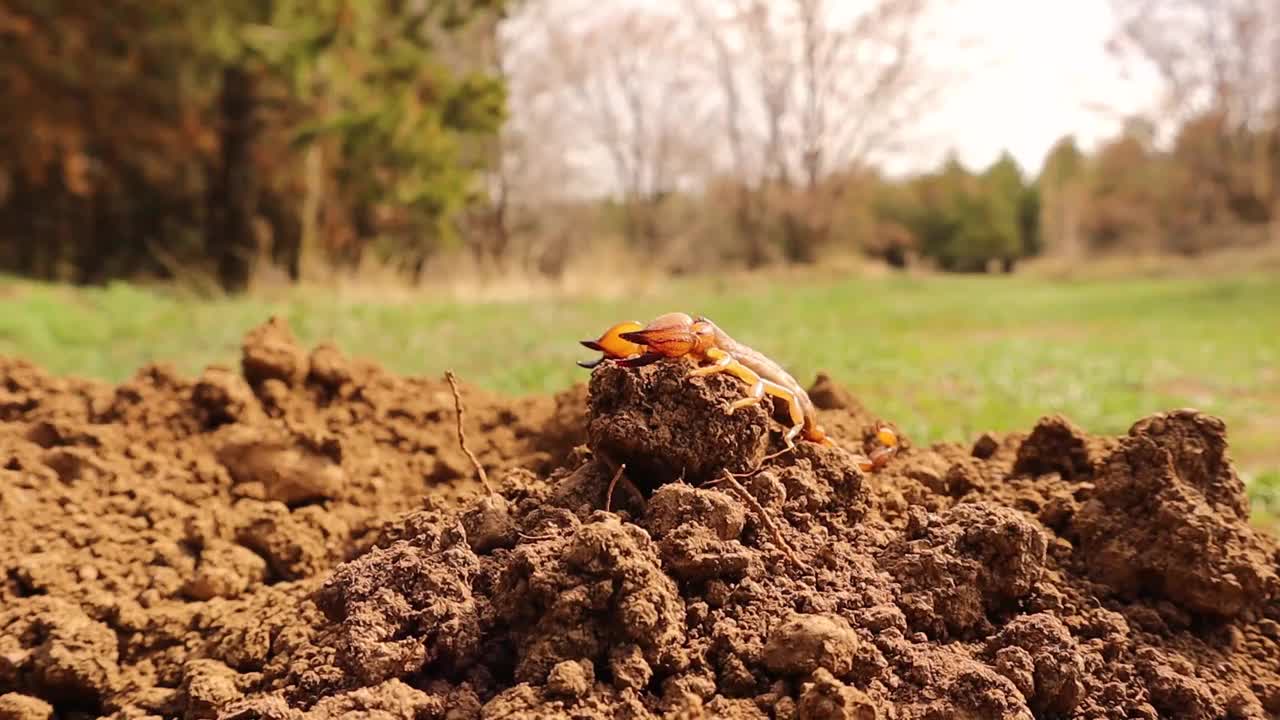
column 304, row 538
column 147, row 526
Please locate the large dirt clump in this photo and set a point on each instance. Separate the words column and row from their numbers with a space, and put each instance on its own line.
column 301, row 537
column 169, row 521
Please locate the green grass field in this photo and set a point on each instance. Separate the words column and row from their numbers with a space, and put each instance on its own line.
column 946, row 358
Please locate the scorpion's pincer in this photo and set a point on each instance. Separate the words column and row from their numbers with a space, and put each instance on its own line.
column 612, row 345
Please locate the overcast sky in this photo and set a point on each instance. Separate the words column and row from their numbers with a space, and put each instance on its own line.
column 1052, row 64
column 1036, row 70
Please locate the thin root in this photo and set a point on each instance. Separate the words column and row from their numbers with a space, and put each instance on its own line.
column 760, row 466
column 608, row 501
column 462, row 434
column 759, row 510
column 771, row 456
column 620, row 478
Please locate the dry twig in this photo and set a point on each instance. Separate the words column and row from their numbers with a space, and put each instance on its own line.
column 608, row 501
column 772, row 456
column 759, row 510
column 462, row 435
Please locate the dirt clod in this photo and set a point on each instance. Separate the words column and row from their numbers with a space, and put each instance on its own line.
column 1039, row 655
column 826, row 698
column 655, row 421
column 15, row 706
column 399, row 609
column 271, row 352
column 570, row 679
column 958, row 569
column 805, row 643
column 1055, row 445
column 1167, row 518
column 306, row 539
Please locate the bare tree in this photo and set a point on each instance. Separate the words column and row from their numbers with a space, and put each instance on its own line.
column 488, row 45
column 526, row 163
column 790, row 100
column 616, row 75
column 813, row 94
column 771, row 79
column 1219, row 62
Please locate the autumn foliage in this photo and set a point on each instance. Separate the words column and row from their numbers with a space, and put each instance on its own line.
column 163, row 137
column 211, row 140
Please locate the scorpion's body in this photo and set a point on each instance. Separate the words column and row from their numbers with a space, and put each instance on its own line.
column 775, row 380
column 679, row 335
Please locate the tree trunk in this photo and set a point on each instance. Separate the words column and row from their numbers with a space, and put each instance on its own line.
column 287, row 249
column 1275, row 221
column 307, row 259
column 632, row 224
column 750, row 230
column 802, row 236
column 501, row 229
column 896, row 257
column 233, row 194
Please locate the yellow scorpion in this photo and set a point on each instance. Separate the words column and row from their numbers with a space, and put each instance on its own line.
column 673, row 335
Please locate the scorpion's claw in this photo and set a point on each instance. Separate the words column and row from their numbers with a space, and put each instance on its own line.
column 818, row 435
column 887, row 436
column 880, row 456
column 612, row 345
column 593, row 345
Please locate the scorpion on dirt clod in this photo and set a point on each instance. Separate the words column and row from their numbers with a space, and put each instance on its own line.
column 677, row 334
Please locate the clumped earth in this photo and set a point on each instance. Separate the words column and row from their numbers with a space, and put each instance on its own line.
column 302, row 537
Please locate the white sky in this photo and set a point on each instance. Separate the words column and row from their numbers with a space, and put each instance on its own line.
column 1051, row 76
column 1036, row 70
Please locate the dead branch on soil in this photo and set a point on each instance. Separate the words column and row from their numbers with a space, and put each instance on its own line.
column 772, row 456
column 620, row 477
column 759, row 510
column 462, row 434
column 608, row 500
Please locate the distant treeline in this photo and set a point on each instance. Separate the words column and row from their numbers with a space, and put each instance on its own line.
column 161, row 137
column 167, row 139
column 1213, row 188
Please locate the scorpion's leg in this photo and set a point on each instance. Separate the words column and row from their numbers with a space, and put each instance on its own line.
column 879, row 457
column 724, row 362
column 721, row 362
column 889, row 446
column 759, row 389
column 793, row 407
column 754, row 396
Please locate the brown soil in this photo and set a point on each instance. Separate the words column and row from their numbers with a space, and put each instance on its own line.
column 304, row 537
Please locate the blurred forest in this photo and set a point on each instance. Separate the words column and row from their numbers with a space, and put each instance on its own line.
column 163, row 139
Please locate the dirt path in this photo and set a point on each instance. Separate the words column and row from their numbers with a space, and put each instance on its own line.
column 303, row 537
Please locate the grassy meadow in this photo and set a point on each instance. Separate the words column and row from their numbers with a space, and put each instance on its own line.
column 945, row 357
